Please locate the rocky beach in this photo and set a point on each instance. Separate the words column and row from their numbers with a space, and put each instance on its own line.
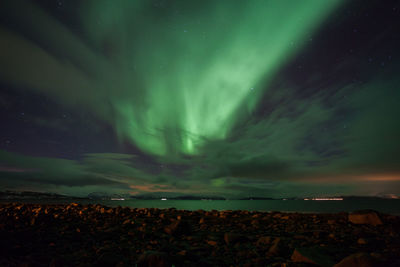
column 96, row 235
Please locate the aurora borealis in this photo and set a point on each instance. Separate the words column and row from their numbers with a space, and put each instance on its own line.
column 264, row 98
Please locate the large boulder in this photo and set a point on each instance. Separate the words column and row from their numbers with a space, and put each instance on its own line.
column 278, row 247
column 357, row 260
column 365, row 217
column 313, row 255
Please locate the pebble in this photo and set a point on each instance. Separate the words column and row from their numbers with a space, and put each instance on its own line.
column 72, row 234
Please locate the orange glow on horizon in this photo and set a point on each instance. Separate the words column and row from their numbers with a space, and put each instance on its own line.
column 378, row 177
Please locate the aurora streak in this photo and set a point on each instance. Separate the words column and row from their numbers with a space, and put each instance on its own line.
column 169, row 84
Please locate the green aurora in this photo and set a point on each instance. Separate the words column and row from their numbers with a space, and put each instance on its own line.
column 170, row 83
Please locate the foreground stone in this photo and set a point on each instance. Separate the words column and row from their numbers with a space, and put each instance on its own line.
column 312, row 255
column 367, row 217
column 96, row 235
column 357, row 260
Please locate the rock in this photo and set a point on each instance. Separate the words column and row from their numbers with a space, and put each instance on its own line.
column 231, row 238
column 182, row 252
column 312, row 255
column 357, row 260
column 127, row 221
column 211, row 242
column 362, row 241
column 172, row 228
column 277, row 247
column 364, row 217
column 279, row 264
column 255, row 223
column 264, row 240
column 154, row 259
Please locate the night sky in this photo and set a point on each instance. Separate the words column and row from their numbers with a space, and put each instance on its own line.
column 275, row 98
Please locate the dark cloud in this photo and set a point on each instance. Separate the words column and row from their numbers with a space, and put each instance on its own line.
column 25, row 170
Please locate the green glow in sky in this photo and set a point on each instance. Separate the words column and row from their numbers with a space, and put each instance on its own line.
column 168, row 79
column 193, row 70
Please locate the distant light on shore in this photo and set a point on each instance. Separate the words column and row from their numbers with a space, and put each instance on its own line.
column 324, row 198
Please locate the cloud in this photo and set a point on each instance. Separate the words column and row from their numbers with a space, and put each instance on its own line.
column 18, row 170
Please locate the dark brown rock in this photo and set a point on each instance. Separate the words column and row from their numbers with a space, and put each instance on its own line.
column 277, row 248
column 365, row 217
column 362, row 241
column 232, row 238
column 172, row 228
column 312, row 255
column 211, row 242
column 264, row 240
column 357, row 260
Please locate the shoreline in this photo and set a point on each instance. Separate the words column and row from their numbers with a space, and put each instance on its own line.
column 387, row 206
column 96, row 235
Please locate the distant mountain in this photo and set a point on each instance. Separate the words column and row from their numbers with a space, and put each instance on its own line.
column 16, row 195
column 106, row 196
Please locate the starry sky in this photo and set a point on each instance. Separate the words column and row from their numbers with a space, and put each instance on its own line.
column 220, row 98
